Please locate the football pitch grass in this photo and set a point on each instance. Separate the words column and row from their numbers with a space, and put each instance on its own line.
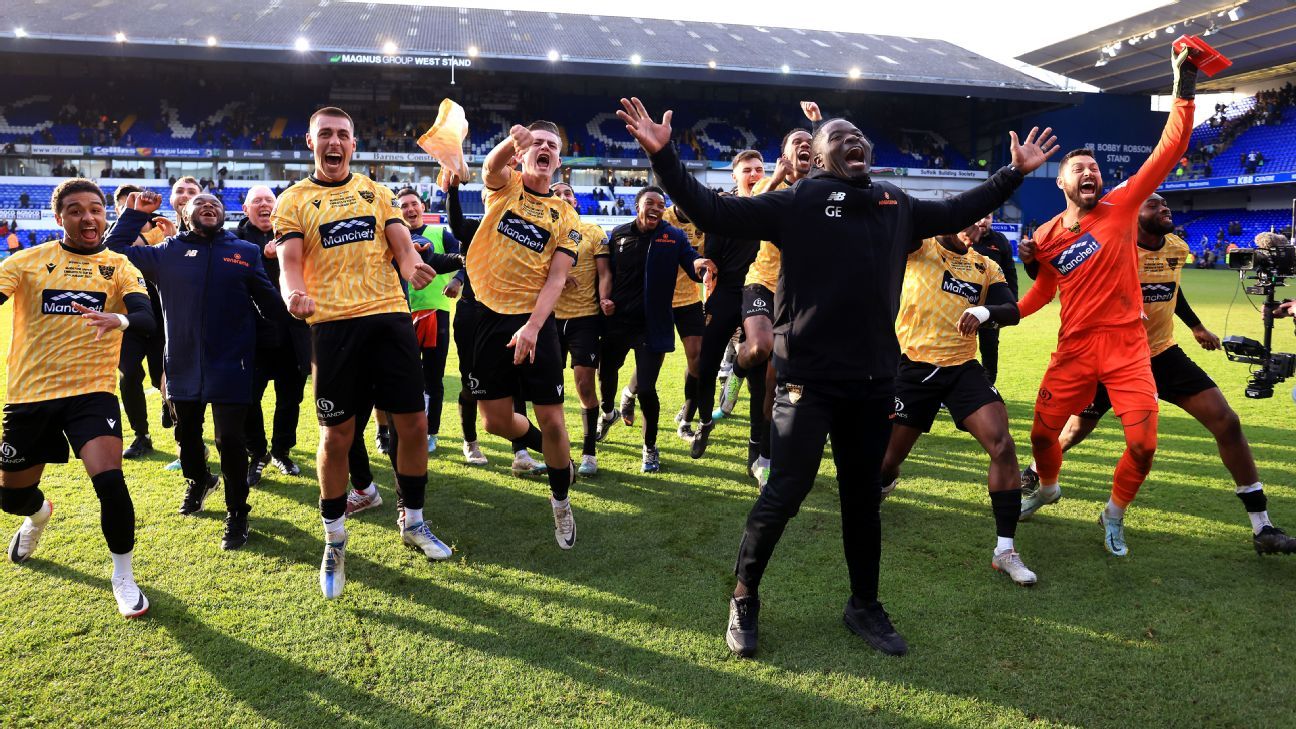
column 627, row 628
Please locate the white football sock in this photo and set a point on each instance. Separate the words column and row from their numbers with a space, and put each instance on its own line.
column 335, row 529
column 1259, row 520
column 1004, row 544
column 122, row 568
column 1113, row 511
column 413, row 517
column 42, row 514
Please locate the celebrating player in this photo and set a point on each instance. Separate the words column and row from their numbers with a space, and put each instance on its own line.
column 70, row 300
column 339, row 232
column 1161, row 257
column 518, row 262
column 943, row 278
column 1088, row 253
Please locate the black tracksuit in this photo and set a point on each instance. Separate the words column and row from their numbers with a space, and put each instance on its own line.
column 996, row 247
column 284, row 356
column 844, row 245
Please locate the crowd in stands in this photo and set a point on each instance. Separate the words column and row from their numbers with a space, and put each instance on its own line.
column 1217, row 135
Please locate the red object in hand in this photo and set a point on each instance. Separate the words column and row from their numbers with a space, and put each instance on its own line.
column 1208, row 60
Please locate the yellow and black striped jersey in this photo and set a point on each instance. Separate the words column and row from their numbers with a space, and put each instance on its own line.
column 939, row 285
column 765, row 269
column 1159, row 273
column 345, row 258
column 508, row 261
column 687, row 291
column 53, row 354
column 582, row 300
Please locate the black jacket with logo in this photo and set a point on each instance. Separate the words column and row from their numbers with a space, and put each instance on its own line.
column 844, row 245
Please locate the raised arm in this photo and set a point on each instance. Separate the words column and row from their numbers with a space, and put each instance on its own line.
column 741, row 217
column 1174, row 137
column 121, row 238
column 498, row 167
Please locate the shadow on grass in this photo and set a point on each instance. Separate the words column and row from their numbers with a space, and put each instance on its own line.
column 294, row 695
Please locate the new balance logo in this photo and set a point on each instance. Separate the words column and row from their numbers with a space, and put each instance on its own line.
column 1076, row 254
column 60, row 301
column 1156, row 293
column 191, row 254
column 836, row 196
column 351, row 230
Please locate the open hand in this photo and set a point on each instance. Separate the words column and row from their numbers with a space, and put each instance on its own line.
column 811, row 111
column 102, row 322
column 1034, row 151
column 652, row 136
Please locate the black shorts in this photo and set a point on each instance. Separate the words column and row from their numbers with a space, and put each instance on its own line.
column 366, row 361
column 757, row 301
column 921, row 388
column 494, row 376
column 689, row 321
column 39, row 432
column 580, row 338
column 1176, row 377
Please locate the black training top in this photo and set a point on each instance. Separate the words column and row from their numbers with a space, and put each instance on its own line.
column 844, row 245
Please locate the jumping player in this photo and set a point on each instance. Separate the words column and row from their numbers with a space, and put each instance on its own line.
column 948, row 286
column 1088, row 254
column 70, row 300
column 1179, row 380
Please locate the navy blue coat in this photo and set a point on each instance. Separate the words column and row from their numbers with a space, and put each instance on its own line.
column 207, row 287
column 668, row 249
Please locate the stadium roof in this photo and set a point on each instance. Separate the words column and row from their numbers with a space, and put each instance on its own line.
column 581, row 43
column 1131, row 56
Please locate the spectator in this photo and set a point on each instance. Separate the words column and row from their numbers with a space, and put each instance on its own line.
column 23, row 200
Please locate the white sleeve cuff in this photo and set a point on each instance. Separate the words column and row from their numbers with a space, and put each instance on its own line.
column 124, row 321
column 980, row 312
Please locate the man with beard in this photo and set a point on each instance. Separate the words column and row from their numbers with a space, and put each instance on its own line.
column 518, row 262
column 61, row 377
column 209, row 280
column 339, row 233
column 283, row 353
column 580, row 327
column 1179, row 380
column 835, row 351
column 1088, row 253
column 642, row 258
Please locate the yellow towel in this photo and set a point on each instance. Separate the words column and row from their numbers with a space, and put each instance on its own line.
column 444, row 141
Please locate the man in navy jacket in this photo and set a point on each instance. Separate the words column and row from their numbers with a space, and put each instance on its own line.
column 642, row 256
column 208, row 280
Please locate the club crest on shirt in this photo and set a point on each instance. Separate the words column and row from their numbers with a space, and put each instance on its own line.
column 367, row 196
column 1172, row 263
column 794, row 392
column 553, row 215
column 107, row 271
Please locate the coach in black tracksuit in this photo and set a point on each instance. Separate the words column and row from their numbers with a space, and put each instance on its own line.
column 995, row 246
column 844, row 239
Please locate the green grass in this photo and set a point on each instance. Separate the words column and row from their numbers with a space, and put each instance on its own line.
column 1191, row 629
